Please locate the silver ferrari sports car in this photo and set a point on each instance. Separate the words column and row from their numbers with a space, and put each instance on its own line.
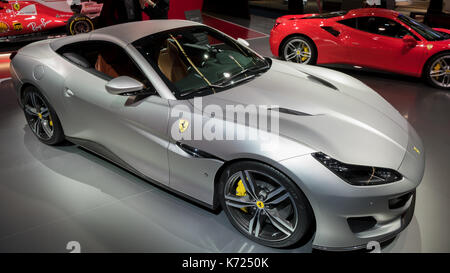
column 338, row 165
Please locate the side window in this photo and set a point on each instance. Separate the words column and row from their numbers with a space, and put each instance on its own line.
column 349, row 22
column 104, row 59
column 382, row 26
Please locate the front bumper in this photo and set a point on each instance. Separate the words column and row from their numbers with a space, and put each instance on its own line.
column 348, row 217
column 391, row 229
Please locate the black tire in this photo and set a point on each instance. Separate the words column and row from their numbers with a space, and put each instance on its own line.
column 302, row 212
column 431, row 65
column 78, row 24
column 52, row 119
column 298, row 59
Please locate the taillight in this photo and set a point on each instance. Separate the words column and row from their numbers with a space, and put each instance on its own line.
column 13, row 54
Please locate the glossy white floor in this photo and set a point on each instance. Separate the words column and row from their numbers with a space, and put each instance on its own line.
column 52, row 195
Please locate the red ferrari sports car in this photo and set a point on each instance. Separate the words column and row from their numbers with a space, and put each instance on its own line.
column 373, row 38
column 28, row 18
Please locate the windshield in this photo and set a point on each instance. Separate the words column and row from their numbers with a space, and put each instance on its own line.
column 428, row 33
column 197, row 61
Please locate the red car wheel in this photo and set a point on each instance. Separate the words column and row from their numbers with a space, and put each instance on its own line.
column 299, row 49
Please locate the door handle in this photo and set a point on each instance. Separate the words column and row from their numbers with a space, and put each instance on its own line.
column 68, row 93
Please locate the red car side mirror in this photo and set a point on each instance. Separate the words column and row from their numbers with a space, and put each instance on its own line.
column 409, row 41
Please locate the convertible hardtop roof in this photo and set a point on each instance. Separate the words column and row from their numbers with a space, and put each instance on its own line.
column 125, row 33
column 131, row 32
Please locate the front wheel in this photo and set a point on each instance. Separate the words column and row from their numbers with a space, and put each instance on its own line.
column 264, row 205
column 78, row 24
column 299, row 49
column 437, row 71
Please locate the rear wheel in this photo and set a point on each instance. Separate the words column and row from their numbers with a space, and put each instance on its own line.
column 78, row 24
column 264, row 205
column 41, row 117
column 299, row 49
column 437, row 71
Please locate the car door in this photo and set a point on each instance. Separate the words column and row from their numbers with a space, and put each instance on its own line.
column 377, row 42
column 130, row 130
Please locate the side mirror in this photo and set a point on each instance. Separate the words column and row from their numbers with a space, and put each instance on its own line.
column 409, row 41
column 243, row 42
column 123, row 86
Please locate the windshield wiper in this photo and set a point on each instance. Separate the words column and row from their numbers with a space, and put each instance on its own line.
column 253, row 71
column 201, row 89
column 213, row 87
column 223, row 84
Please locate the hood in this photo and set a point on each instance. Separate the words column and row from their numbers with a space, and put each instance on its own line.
column 327, row 111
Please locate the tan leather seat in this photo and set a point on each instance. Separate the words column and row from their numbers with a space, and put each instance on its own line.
column 170, row 62
column 103, row 66
column 114, row 62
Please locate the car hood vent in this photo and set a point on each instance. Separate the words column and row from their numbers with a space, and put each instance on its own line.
column 321, row 81
column 289, row 111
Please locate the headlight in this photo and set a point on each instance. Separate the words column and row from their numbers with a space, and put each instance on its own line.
column 358, row 175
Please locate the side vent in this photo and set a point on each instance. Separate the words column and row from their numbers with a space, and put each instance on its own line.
column 332, row 31
column 196, row 152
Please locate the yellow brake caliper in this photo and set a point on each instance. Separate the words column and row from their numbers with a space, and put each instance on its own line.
column 305, row 50
column 437, row 67
column 240, row 191
column 50, row 121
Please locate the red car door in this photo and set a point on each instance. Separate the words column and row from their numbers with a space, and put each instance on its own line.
column 380, row 43
column 334, row 45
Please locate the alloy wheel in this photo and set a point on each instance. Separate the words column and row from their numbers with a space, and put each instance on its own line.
column 297, row 50
column 38, row 116
column 440, row 71
column 261, row 206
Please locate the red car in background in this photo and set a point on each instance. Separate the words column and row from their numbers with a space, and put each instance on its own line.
column 22, row 19
column 373, row 38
